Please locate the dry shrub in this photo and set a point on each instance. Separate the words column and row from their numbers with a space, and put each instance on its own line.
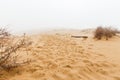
column 8, row 49
column 105, row 32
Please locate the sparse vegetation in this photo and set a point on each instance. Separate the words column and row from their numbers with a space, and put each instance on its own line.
column 105, row 32
column 8, row 50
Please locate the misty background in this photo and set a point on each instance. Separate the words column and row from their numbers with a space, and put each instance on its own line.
column 39, row 15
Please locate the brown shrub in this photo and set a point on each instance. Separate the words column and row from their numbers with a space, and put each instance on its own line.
column 105, row 32
column 8, row 47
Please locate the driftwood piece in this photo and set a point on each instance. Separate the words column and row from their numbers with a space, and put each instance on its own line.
column 85, row 37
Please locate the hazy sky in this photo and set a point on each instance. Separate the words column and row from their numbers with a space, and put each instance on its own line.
column 26, row 15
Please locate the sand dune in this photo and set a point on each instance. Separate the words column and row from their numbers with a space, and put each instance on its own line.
column 60, row 57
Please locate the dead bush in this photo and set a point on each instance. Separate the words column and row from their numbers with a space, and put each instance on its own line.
column 9, row 48
column 105, row 32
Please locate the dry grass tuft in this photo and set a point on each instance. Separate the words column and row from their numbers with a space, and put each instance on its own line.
column 105, row 32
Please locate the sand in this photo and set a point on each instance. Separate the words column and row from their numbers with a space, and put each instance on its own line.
column 60, row 57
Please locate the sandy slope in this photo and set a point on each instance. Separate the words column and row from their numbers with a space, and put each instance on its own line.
column 60, row 57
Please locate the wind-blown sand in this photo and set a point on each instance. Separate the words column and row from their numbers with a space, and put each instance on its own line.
column 60, row 57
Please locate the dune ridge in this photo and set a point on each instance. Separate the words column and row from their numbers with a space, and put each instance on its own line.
column 59, row 57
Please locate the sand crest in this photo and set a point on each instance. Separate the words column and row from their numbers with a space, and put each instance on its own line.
column 60, row 57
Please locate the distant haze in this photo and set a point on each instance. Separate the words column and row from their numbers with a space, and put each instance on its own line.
column 27, row 15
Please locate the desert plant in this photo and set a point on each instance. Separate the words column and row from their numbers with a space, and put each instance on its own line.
column 8, row 49
column 99, row 32
column 105, row 32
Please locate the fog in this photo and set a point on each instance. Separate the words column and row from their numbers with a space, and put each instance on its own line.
column 30, row 15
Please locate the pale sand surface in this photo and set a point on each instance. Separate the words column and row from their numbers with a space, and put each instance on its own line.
column 57, row 56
